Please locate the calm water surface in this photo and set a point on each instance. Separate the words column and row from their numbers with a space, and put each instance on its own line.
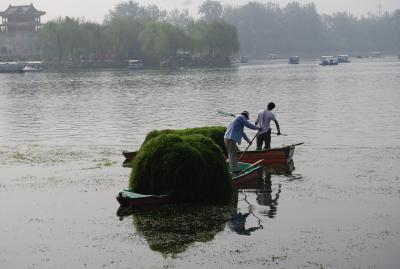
column 62, row 133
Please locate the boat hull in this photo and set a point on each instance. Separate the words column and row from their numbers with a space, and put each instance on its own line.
column 282, row 155
column 251, row 174
column 270, row 156
column 129, row 199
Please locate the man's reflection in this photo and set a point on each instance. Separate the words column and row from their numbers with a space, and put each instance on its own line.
column 264, row 197
column 237, row 222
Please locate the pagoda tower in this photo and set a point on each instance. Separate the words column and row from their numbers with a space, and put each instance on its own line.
column 19, row 31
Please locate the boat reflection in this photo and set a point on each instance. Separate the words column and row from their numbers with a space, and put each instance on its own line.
column 280, row 169
column 268, row 171
column 267, row 194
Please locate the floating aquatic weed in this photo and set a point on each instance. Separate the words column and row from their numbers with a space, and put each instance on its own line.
column 215, row 133
column 188, row 168
column 105, row 162
column 20, row 156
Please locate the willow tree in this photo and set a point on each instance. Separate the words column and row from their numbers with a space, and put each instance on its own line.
column 95, row 41
column 222, row 39
column 124, row 33
column 133, row 9
column 217, row 39
column 52, row 43
column 163, row 40
column 211, row 10
column 70, row 39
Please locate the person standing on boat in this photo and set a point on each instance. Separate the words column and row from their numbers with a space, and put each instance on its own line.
column 263, row 120
column 234, row 134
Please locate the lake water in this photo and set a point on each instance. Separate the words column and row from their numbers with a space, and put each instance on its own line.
column 62, row 134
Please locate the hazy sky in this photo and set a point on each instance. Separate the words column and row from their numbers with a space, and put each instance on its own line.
column 94, row 10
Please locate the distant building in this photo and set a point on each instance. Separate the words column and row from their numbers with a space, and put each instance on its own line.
column 19, row 32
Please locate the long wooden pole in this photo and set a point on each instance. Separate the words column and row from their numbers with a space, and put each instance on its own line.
column 249, row 145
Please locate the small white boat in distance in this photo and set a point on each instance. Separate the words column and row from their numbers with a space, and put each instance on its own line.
column 31, row 69
column 294, row 59
column 135, row 64
column 343, row 58
column 272, row 56
column 33, row 66
column 377, row 54
column 10, row 67
column 328, row 60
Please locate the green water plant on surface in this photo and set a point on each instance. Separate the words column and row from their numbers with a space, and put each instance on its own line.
column 189, row 168
column 105, row 162
column 215, row 133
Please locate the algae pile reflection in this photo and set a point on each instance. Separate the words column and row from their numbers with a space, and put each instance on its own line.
column 171, row 229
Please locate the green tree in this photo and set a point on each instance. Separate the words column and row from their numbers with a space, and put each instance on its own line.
column 134, row 10
column 180, row 19
column 124, row 33
column 222, row 39
column 304, row 27
column 52, row 44
column 162, row 40
column 218, row 40
column 211, row 10
column 260, row 27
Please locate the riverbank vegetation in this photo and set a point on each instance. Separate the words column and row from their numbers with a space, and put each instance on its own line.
column 175, row 38
column 131, row 31
column 298, row 29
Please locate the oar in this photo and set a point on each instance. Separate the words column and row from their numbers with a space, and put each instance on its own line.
column 249, row 145
column 233, row 115
column 226, row 114
column 298, row 144
column 280, row 134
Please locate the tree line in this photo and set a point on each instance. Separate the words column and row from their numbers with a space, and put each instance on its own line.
column 131, row 31
column 299, row 29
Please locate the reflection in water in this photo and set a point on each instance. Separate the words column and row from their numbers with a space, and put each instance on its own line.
column 237, row 223
column 280, row 169
column 264, row 197
column 171, row 229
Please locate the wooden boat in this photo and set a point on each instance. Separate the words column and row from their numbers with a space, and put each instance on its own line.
column 281, row 155
column 249, row 173
column 128, row 198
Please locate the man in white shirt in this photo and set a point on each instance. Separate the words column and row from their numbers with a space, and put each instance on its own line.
column 263, row 120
